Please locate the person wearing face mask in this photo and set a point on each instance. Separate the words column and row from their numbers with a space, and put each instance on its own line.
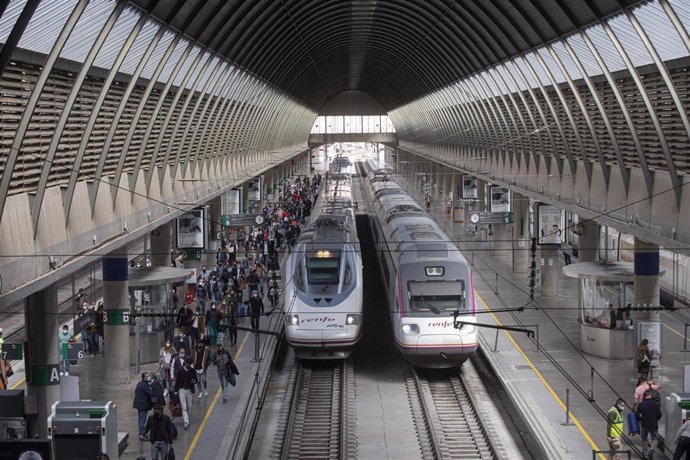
column 212, row 320
column 144, row 398
column 185, row 379
column 201, row 360
column 614, row 428
column 178, row 362
column 165, row 361
column 63, row 337
column 161, row 433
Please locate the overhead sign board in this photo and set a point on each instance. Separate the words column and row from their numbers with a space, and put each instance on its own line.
column 493, row 218
column 239, row 220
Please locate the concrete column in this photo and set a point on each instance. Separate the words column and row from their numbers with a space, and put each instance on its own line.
column 646, row 276
column 588, row 241
column 521, row 236
column 43, row 386
column 549, row 271
column 161, row 242
column 116, row 330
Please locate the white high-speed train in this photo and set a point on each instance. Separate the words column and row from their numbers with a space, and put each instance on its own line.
column 323, row 289
column 426, row 277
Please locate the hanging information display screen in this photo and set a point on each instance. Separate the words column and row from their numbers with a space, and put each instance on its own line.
column 190, row 229
column 500, row 199
column 469, row 187
column 549, row 224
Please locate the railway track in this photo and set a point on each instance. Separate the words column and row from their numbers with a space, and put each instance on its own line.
column 448, row 426
column 318, row 422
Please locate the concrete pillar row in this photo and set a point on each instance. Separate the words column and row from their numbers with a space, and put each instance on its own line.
column 161, row 242
column 522, row 240
column 42, row 362
column 116, row 328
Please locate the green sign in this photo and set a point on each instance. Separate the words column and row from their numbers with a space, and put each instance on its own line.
column 72, row 351
column 116, row 317
column 43, row 376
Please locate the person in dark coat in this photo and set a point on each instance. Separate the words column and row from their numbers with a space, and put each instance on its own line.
column 162, row 432
column 185, row 318
column 649, row 413
column 143, row 399
column 158, row 390
column 256, row 306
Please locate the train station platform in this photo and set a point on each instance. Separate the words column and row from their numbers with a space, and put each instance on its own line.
column 210, row 418
column 546, row 374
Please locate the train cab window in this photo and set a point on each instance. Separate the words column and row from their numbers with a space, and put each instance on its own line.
column 435, row 298
column 323, row 271
column 347, row 277
column 299, row 278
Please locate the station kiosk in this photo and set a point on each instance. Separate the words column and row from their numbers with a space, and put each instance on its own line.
column 152, row 314
column 605, row 289
column 83, row 429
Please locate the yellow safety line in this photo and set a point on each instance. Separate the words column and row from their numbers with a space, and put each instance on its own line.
column 576, row 422
column 674, row 331
column 20, row 382
column 200, row 430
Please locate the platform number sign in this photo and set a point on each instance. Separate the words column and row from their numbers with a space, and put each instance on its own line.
column 13, row 351
column 73, row 351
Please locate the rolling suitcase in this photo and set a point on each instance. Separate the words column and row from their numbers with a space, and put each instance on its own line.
column 633, row 424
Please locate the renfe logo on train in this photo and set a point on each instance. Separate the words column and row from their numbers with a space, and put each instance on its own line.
column 441, row 324
column 320, row 319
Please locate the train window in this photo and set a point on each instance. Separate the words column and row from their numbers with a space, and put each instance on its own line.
column 299, row 278
column 347, row 279
column 323, row 268
column 433, row 298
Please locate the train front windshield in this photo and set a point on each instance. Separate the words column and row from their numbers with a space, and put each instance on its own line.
column 323, row 271
column 436, row 298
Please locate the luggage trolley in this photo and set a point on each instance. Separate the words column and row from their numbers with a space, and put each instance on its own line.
column 83, row 429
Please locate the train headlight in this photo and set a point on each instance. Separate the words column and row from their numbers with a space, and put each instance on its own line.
column 293, row 320
column 353, row 319
column 411, row 329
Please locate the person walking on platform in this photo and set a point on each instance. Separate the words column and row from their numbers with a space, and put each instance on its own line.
column 614, row 429
column 158, row 390
column 644, row 358
column 64, row 336
column 144, row 397
column 185, row 318
column 649, row 413
column 231, row 315
column 162, row 432
column 643, row 386
column 212, row 323
column 165, row 361
column 682, row 440
column 256, row 306
column 201, row 360
column 184, row 386
column 224, row 364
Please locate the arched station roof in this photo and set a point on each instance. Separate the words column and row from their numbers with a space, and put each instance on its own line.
column 122, row 112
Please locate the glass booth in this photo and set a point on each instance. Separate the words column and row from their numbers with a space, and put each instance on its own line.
column 604, row 290
column 150, row 295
